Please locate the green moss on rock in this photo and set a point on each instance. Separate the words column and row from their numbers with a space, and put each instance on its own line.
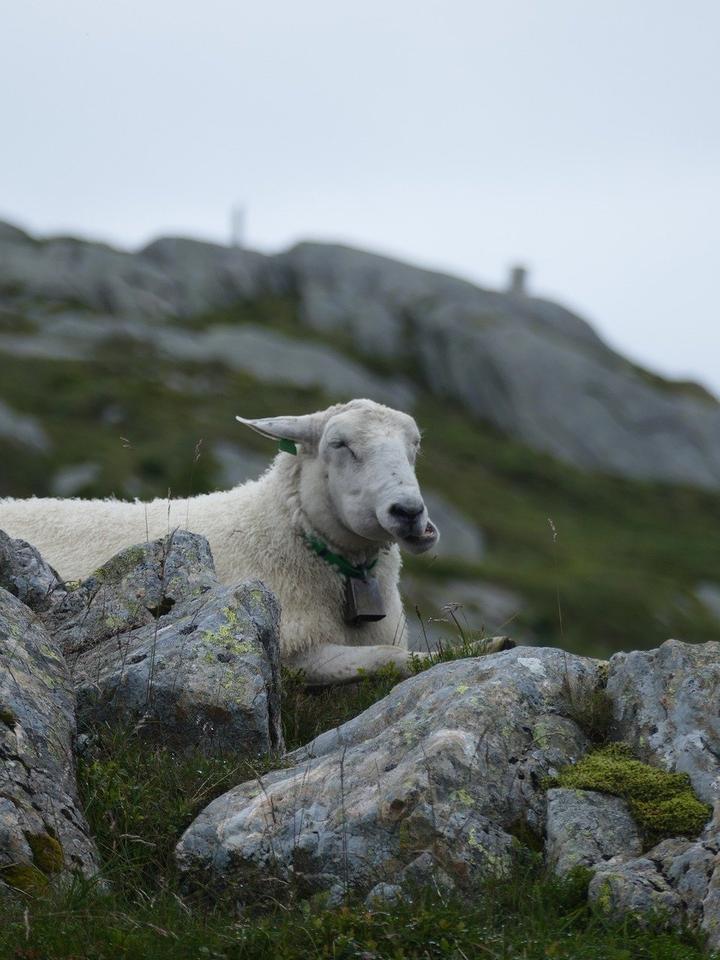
column 7, row 717
column 663, row 804
column 47, row 852
column 24, row 877
column 117, row 568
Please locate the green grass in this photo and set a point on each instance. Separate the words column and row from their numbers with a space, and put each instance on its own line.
column 622, row 567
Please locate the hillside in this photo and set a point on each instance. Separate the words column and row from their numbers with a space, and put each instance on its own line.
column 121, row 374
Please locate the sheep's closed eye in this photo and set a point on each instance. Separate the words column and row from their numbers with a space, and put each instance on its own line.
column 341, row 444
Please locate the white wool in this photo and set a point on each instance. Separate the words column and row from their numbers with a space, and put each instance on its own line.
column 255, row 531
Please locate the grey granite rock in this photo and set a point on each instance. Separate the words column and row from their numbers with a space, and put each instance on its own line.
column 23, row 429
column 134, row 588
column 25, row 575
column 154, row 641
column 461, row 538
column 435, row 778
column 677, row 881
column 585, row 828
column 533, row 369
column 665, row 705
column 43, row 833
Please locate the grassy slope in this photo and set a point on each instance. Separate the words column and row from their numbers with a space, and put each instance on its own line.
column 624, row 561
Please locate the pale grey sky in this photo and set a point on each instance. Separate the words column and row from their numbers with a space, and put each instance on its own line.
column 582, row 139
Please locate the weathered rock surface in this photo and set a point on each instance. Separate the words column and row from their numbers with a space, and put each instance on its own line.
column 585, row 827
column 666, row 705
column 25, row 575
column 678, row 879
column 530, row 367
column 461, row 538
column 135, row 588
column 435, row 778
column 43, row 834
column 154, row 640
column 20, row 428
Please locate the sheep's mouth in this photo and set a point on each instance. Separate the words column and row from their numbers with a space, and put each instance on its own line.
column 420, row 542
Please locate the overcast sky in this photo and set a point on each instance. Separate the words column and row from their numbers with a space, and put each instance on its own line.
column 581, row 139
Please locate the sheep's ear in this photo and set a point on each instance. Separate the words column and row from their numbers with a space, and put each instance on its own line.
column 305, row 429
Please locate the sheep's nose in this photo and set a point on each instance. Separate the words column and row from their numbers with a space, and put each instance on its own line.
column 408, row 510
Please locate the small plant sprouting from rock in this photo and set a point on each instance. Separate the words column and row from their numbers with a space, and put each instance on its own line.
column 663, row 804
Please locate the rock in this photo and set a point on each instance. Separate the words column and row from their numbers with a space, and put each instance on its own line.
column 636, row 888
column 584, row 828
column 43, row 834
column 678, row 878
column 155, row 641
column 709, row 596
column 25, row 575
column 74, row 478
column 661, row 701
column 273, row 357
column 461, row 538
column 236, row 463
column 23, row 429
column 135, row 588
column 434, row 779
column 533, row 369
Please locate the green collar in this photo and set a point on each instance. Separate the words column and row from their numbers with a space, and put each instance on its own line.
column 336, row 560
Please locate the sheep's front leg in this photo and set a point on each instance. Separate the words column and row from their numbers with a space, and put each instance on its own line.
column 333, row 663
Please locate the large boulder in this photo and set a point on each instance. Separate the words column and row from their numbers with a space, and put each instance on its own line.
column 155, row 641
column 43, row 833
column 439, row 777
column 665, row 706
column 25, row 575
column 585, row 828
column 678, row 880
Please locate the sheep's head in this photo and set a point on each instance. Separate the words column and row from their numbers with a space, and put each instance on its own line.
column 357, row 474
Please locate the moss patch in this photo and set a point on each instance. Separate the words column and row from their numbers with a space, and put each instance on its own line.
column 47, row 852
column 24, row 877
column 662, row 804
column 7, row 717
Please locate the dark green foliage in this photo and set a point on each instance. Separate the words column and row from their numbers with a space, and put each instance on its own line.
column 524, row 916
column 139, row 797
column 662, row 804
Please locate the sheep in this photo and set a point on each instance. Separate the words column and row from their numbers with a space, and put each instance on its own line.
column 322, row 527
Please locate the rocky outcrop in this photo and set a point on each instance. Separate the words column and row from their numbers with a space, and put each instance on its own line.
column 584, row 828
column 155, row 642
column 531, row 368
column 677, row 882
column 437, row 778
column 665, row 705
column 43, row 834
column 25, row 575
column 446, row 779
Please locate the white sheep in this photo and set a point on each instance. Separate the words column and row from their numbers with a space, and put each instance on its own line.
column 309, row 527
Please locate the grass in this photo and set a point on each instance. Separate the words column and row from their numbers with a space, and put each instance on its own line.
column 626, row 559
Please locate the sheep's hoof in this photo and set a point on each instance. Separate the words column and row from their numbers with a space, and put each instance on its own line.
column 491, row 645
